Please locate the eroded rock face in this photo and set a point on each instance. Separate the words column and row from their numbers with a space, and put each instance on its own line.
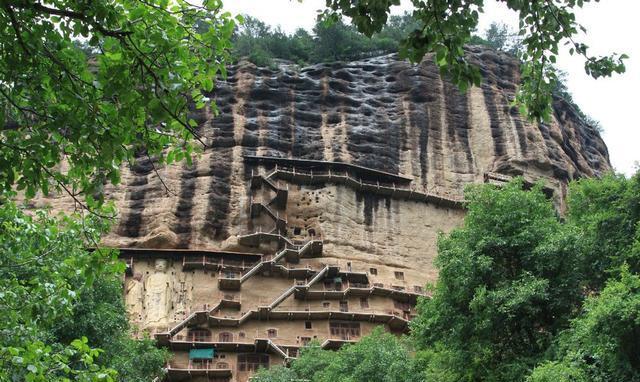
column 314, row 210
column 380, row 113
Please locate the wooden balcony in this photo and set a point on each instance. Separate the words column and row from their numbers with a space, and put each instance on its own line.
column 178, row 372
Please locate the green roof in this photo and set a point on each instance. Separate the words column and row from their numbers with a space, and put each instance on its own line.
column 201, row 353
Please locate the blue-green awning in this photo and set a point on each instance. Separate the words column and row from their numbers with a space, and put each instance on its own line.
column 201, row 353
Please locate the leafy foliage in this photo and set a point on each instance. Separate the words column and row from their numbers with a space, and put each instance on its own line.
column 99, row 315
column 91, row 83
column 261, row 44
column 377, row 357
column 607, row 211
column 446, row 25
column 500, row 37
column 602, row 343
column 60, row 301
column 507, row 283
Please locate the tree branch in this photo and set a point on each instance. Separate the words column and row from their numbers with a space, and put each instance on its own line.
column 16, row 28
column 58, row 181
column 73, row 15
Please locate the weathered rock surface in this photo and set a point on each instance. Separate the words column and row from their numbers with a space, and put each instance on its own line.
column 381, row 113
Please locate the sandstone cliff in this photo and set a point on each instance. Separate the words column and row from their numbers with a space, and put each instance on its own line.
column 380, row 113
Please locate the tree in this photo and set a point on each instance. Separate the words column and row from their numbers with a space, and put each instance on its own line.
column 607, row 212
column 86, row 85
column 603, row 344
column 250, row 40
column 522, row 295
column 261, row 44
column 60, row 302
column 507, row 284
column 336, row 41
column 447, row 25
column 499, row 36
column 99, row 315
column 379, row 356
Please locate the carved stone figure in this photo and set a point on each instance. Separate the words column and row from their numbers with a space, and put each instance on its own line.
column 158, row 289
column 134, row 297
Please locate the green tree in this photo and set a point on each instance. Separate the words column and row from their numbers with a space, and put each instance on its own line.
column 379, row 356
column 497, row 36
column 261, row 44
column 277, row 374
column 522, row 295
column 447, row 25
column 250, row 41
column 148, row 61
column 507, row 283
column 603, row 344
column 500, row 37
column 607, row 212
column 57, row 299
column 337, row 41
column 99, row 315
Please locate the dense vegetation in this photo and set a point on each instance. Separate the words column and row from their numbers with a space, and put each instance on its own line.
column 328, row 42
column 522, row 295
column 336, row 41
column 150, row 61
column 63, row 314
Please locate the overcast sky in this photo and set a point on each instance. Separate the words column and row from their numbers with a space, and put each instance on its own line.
column 612, row 26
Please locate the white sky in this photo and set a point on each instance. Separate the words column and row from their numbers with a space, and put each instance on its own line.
column 612, row 27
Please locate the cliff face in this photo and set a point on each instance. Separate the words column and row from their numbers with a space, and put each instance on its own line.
column 380, row 113
column 331, row 176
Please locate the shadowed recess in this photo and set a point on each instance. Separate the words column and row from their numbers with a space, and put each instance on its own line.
column 458, row 124
column 137, row 190
column 434, row 121
column 497, row 134
column 184, row 208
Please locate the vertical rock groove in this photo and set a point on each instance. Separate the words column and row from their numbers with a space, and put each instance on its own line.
column 497, row 133
column 137, row 190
